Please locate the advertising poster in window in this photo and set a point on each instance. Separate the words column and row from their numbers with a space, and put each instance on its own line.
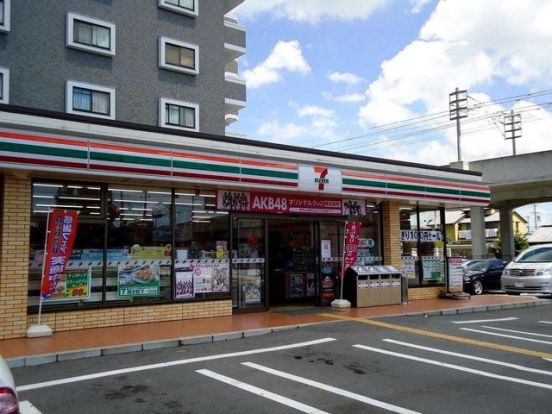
column 250, row 279
column 74, row 284
column 296, row 285
column 409, row 266
column 311, row 286
column 184, row 282
column 456, row 283
column 433, row 269
column 138, row 280
column 203, row 275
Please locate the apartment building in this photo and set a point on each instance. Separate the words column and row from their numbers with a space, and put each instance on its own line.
column 166, row 63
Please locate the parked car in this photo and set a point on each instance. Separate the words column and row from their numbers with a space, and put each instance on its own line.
column 483, row 275
column 8, row 396
column 468, row 262
column 530, row 272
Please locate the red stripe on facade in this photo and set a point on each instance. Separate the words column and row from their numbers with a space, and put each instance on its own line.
column 257, row 181
column 207, row 176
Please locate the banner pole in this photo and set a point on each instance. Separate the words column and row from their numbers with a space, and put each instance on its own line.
column 343, row 261
column 43, row 265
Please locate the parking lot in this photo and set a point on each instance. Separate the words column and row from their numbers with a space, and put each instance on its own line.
column 483, row 362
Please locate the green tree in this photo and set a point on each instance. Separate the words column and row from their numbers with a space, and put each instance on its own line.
column 520, row 243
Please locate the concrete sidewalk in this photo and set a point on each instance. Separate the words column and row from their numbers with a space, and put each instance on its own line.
column 132, row 338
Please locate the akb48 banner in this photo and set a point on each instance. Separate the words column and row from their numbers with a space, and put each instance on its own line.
column 62, row 229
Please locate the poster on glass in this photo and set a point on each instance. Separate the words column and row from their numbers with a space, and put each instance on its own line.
column 74, row 284
column 184, row 282
column 135, row 280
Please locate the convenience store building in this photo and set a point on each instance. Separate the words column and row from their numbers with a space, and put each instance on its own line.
column 179, row 225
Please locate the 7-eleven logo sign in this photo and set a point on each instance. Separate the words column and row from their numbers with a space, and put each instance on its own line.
column 320, row 179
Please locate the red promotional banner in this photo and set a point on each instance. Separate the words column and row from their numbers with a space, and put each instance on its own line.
column 278, row 203
column 62, row 229
column 350, row 246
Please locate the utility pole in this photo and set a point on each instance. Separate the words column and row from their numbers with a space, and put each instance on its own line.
column 458, row 109
column 512, row 128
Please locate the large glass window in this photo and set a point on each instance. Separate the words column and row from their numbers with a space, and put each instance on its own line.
column 5, row 12
column 178, row 114
column 202, row 266
column 248, row 259
column 422, row 244
column 187, row 7
column 139, row 243
column 90, row 34
column 82, row 283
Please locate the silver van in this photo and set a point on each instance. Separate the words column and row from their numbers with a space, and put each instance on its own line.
column 529, row 272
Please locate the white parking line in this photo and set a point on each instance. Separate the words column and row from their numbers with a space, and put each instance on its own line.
column 456, row 367
column 262, row 393
column 474, row 358
column 521, row 332
column 545, row 322
column 25, row 407
column 168, row 364
column 486, row 320
column 508, row 336
column 333, row 390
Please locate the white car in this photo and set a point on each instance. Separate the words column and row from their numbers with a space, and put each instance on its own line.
column 8, row 395
column 529, row 272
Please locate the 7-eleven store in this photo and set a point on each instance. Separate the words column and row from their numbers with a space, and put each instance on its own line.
column 175, row 226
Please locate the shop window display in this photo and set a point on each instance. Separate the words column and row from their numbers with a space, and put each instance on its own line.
column 422, row 245
column 83, row 280
column 202, row 267
column 139, row 243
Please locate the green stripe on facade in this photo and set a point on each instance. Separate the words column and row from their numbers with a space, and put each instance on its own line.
column 270, row 173
column 364, row 183
column 475, row 194
column 130, row 159
column 35, row 149
column 443, row 191
column 206, row 167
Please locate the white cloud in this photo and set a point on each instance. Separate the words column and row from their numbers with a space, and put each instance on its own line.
column 418, row 5
column 282, row 133
column 311, row 11
column 312, row 110
column 286, row 56
column 346, row 98
column 468, row 44
column 345, row 77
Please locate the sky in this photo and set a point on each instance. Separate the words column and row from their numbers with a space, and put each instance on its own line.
column 373, row 77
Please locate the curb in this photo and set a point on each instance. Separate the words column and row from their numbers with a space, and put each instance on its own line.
column 34, row 360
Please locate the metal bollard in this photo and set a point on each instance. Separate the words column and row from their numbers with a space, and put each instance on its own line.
column 404, row 289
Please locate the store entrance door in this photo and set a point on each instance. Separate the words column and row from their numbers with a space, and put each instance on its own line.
column 292, row 269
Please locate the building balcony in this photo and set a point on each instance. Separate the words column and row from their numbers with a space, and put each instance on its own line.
column 234, row 33
column 232, row 107
column 230, row 5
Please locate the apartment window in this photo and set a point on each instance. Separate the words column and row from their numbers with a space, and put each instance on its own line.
column 91, row 100
column 5, row 11
column 178, row 56
column 178, row 114
column 90, row 34
column 187, row 7
column 4, row 85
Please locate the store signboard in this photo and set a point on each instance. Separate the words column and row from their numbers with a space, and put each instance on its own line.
column 425, row 235
column 255, row 202
column 320, row 179
column 455, row 281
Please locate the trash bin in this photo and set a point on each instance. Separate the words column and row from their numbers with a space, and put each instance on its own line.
column 372, row 286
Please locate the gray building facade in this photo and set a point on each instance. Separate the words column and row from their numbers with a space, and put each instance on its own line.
column 129, row 60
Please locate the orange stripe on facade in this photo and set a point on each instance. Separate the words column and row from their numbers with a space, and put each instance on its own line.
column 267, row 164
column 402, row 179
column 39, row 138
column 203, row 157
column 148, row 151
